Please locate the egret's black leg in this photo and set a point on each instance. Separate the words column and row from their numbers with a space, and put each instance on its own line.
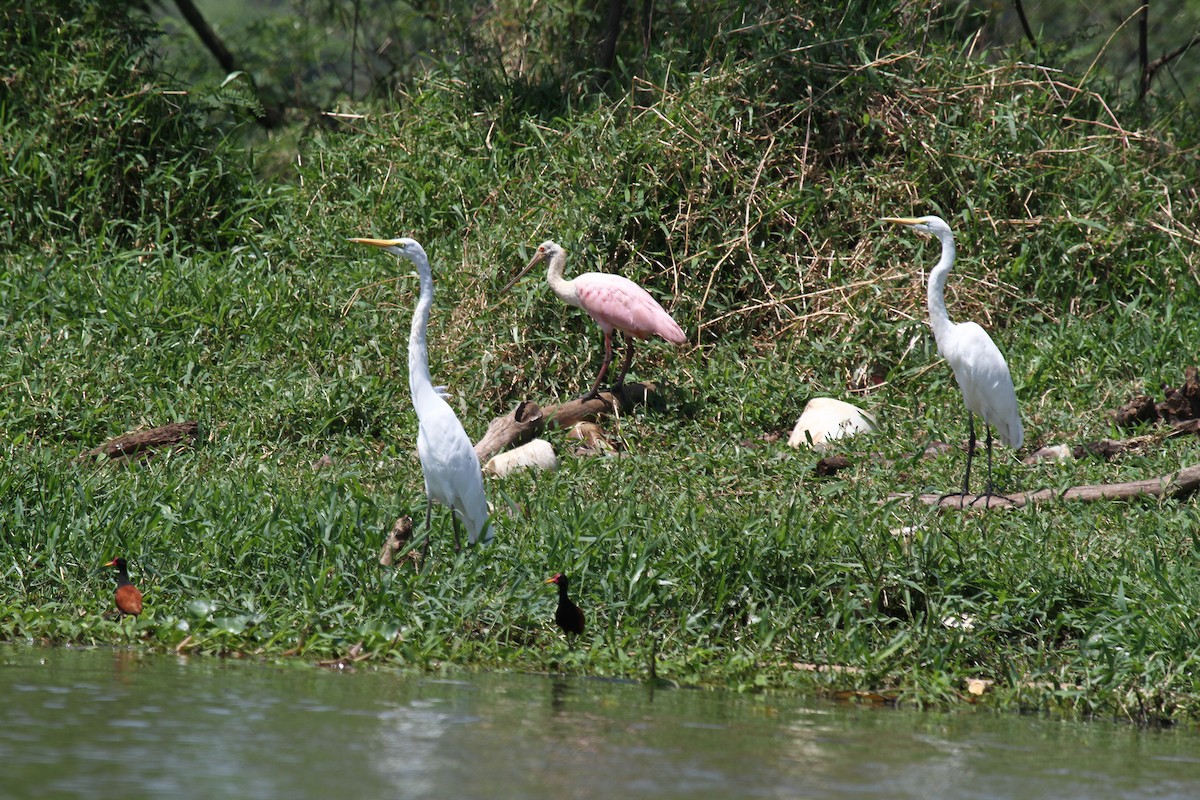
column 428, row 528
column 991, row 487
column 970, row 452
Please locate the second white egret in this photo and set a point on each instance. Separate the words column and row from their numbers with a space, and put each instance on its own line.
column 979, row 366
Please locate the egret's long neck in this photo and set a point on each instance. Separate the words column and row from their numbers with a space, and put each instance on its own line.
column 418, row 356
column 939, row 318
column 554, row 276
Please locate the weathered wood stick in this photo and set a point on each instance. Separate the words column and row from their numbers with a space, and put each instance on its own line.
column 520, row 425
column 527, row 421
column 140, row 442
column 630, row 397
column 1179, row 486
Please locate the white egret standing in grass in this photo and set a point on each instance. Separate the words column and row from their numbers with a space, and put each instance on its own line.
column 613, row 301
column 978, row 365
column 448, row 461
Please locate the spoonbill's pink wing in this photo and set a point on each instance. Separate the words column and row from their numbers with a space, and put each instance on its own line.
column 617, row 302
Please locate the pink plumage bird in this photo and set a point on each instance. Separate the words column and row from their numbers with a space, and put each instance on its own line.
column 613, row 301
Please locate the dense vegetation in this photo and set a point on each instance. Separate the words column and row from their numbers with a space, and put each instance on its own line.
column 152, row 272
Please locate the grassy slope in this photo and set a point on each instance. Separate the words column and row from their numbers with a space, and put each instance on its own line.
column 752, row 213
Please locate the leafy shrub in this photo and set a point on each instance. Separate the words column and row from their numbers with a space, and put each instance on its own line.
column 95, row 144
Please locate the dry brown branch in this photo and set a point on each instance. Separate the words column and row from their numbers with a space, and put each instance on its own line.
column 1154, row 66
column 519, row 426
column 569, row 413
column 360, row 291
column 141, row 443
column 1188, row 237
column 1144, row 47
column 1179, row 486
column 1025, row 23
column 528, row 419
column 272, row 114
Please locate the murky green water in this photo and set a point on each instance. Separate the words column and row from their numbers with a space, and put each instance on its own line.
column 109, row 724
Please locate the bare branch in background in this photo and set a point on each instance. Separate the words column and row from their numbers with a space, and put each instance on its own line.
column 1025, row 22
column 272, row 115
column 1144, row 49
column 1154, row 66
column 608, row 48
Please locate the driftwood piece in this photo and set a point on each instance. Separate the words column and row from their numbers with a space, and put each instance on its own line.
column 527, row 421
column 521, row 425
column 141, row 443
column 537, row 454
column 571, row 412
column 1179, row 486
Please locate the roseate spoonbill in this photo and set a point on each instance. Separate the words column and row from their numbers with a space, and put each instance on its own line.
column 567, row 616
column 979, row 367
column 129, row 599
column 448, row 461
column 613, row 301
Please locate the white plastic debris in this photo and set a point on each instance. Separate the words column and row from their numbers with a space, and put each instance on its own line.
column 825, row 419
column 538, row 454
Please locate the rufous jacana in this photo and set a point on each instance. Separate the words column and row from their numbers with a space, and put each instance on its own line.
column 129, row 599
column 568, row 616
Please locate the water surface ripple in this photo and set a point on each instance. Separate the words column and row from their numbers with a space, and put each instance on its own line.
column 98, row 723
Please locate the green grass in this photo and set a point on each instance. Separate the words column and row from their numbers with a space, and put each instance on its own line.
column 753, row 214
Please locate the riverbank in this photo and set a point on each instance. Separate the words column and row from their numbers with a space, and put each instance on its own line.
column 700, row 543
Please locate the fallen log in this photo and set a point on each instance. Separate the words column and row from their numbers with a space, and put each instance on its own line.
column 523, row 424
column 631, row 396
column 1178, row 486
column 141, row 443
column 527, row 421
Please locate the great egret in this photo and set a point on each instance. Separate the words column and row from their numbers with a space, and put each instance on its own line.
column 567, row 616
column 979, row 367
column 448, row 461
column 613, row 301
column 129, row 599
